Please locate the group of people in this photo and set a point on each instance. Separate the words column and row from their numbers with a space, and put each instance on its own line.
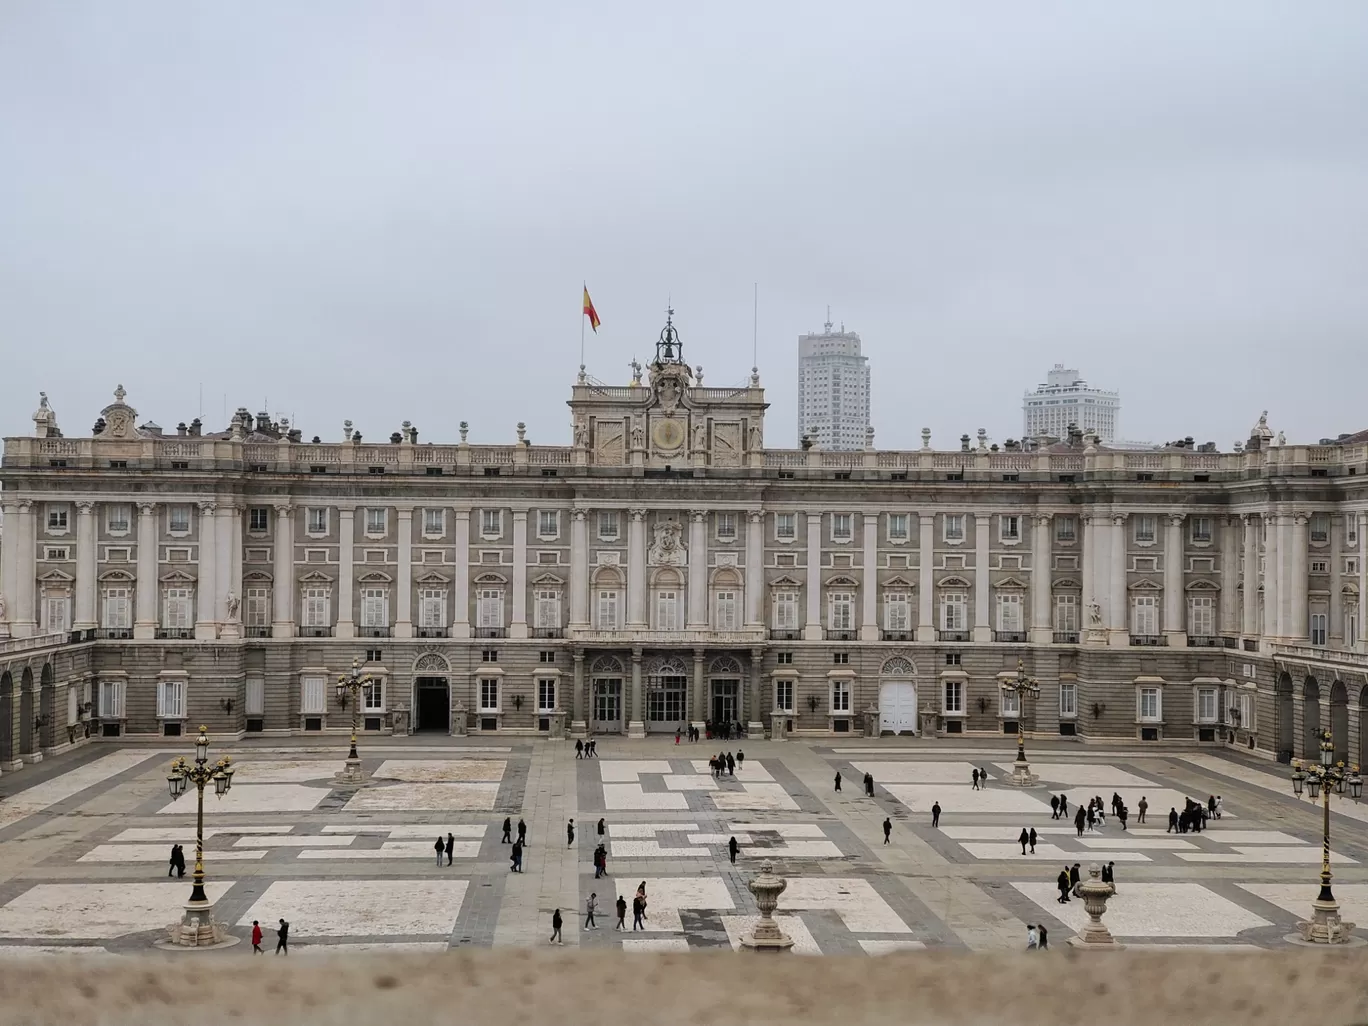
column 1070, row 877
column 725, row 762
column 177, row 861
column 515, row 854
column 1037, row 937
column 282, row 938
column 1194, row 816
column 980, row 778
column 586, row 749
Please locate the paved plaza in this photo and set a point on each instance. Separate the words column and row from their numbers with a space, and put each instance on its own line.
column 85, row 841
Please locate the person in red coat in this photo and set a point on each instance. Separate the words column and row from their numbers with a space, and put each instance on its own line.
column 256, row 938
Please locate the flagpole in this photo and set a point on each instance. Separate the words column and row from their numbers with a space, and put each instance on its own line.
column 585, row 289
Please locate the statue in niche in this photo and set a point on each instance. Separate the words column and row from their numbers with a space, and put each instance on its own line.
column 638, row 435
column 700, row 437
column 581, row 434
column 1094, row 614
column 234, row 603
column 667, row 549
column 756, row 436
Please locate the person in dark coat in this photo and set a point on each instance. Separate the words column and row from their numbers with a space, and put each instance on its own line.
column 522, row 833
column 888, row 828
column 935, row 814
column 1044, row 943
column 975, row 776
column 1173, row 821
column 1079, row 819
column 1121, row 814
column 1062, row 882
column 450, row 846
column 838, row 781
column 1140, row 807
column 579, row 749
column 1109, row 875
column 733, row 848
column 740, row 758
column 440, row 848
column 731, row 765
column 1054, row 806
column 1074, row 877
column 1063, row 806
column 1092, row 816
column 283, row 938
column 508, row 831
column 621, row 913
column 1023, row 840
column 869, row 785
column 601, row 828
column 1032, row 840
column 570, row 834
column 515, row 857
column 556, row 927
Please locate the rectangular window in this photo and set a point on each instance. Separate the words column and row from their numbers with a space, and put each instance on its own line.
column 256, row 697
column 116, row 519
column 786, row 610
column 726, row 526
column 491, row 607
column 57, row 518
column 1351, row 528
column 1066, row 614
column 783, row 695
column 1351, row 565
column 548, row 524
column 840, row 696
column 1144, row 529
column 256, row 607
column 317, row 607
column 171, row 700
column 1206, row 705
column 1202, row 616
column 609, row 525
column 897, row 611
column 725, row 616
column 1201, row 529
column 954, row 527
column 56, row 554
column 1010, row 703
column 1248, row 712
column 608, row 610
column 434, row 522
column 1145, row 615
column 1320, row 527
column 374, row 607
column 1351, row 628
column 954, row 696
column 313, row 696
column 1068, row 700
column 1009, row 612
column 118, row 608
column 111, row 700
column 55, row 618
column 954, row 611
column 377, row 521
column 1009, row 527
column 548, row 609
column 432, row 607
column 842, row 611
column 489, row 694
column 667, row 610
column 1149, row 704
column 1318, row 628
column 176, row 606
column 178, row 519
column 316, row 520
column 258, row 519
column 785, row 526
column 1066, row 529
column 841, row 526
column 546, row 695
column 491, row 523
column 373, row 696
column 897, row 527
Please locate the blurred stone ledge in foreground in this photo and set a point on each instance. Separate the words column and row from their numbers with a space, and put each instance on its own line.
column 513, row 987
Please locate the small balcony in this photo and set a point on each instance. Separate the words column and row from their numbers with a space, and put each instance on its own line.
column 77, row 637
column 258, row 630
column 549, row 633
column 315, row 632
column 434, row 632
column 376, row 632
column 1148, row 640
column 785, row 635
column 1065, row 637
column 895, row 635
column 491, row 632
column 952, row 635
column 843, row 635
column 174, row 633
column 1230, row 643
column 1204, row 641
column 1250, row 645
column 1010, row 637
column 114, row 633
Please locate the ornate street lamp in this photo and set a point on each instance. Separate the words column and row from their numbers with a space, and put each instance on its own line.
column 353, row 684
column 197, row 927
column 1023, row 687
column 1318, row 779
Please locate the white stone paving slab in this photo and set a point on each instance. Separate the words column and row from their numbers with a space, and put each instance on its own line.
column 449, row 771
column 792, row 926
column 1282, row 856
column 788, row 849
column 394, row 850
column 996, row 833
column 160, row 853
column 1152, row 910
column 782, row 829
column 283, row 771
column 1124, row 843
column 860, row 906
column 1083, row 774
column 752, row 771
column 186, row 833
column 410, row 830
column 1049, row 852
column 98, row 911
column 360, row 908
column 639, row 830
column 916, row 772
column 44, row 950
column 393, row 947
column 680, row 782
column 292, row 841
column 425, row 797
column 665, row 896
column 955, row 801
column 651, row 850
column 755, row 796
column 628, row 771
column 630, row 797
column 890, row 947
column 1219, row 834
column 69, row 784
column 650, row 944
column 1296, row 898
column 741, row 838
column 253, row 798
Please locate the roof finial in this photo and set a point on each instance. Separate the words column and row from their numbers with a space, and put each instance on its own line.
column 119, row 394
column 828, row 320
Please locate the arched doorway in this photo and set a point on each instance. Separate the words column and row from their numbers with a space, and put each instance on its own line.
column 431, row 695
column 1311, row 718
column 667, row 693
column 897, row 696
column 6, row 719
column 1339, row 719
column 47, row 705
column 1285, row 710
column 724, row 690
column 26, row 713
column 605, row 695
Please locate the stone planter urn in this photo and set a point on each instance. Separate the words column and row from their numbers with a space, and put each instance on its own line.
column 1095, row 894
column 767, row 936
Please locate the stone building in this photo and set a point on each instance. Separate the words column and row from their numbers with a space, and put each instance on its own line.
column 667, row 568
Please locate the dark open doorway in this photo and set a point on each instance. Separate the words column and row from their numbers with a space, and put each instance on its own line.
column 433, row 706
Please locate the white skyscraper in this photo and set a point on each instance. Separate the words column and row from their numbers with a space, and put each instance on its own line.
column 1064, row 398
column 833, row 389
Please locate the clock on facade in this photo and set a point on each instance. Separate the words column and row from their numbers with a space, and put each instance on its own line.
column 668, row 434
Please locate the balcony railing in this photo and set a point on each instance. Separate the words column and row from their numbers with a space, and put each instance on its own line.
column 315, row 632
column 175, row 633
column 1065, row 637
column 895, row 635
column 434, row 632
column 491, row 632
column 1204, row 641
column 78, row 637
column 952, row 635
column 1013, row 637
column 376, row 632
column 1250, row 645
column 548, row 632
column 258, row 630
column 114, row 633
column 784, row 635
column 1148, row 640
column 842, row 635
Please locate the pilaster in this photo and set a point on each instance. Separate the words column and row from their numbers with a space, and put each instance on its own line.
column 698, row 569
column 25, row 618
column 206, row 598
column 460, row 599
column 282, row 599
column 1298, row 625
column 346, row 572
column 1118, row 627
column 636, row 726
column 1173, row 626
column 755, row 726
column 926, row 585
column 1042, row 629
column 1363, row 581
column 145, row 594
column 700, row 700
column 812, row 622
column 636, row 570
column 9, row 574
column 983, row 592
column 755, row 568
column 869, row 580
column 578, row 725
column 403, row 616
column 85, row 567
column 1249, row 578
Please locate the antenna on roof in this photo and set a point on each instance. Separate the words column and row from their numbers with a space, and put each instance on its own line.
column 755, row 328
column 828, row 320
column 200, row 414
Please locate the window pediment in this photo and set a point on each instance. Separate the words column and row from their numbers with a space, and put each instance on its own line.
column 898, row 584
column 316, row 577
column 841, row 581
column 116, row 576
column 952, row 582
column 491, row 579
column 1066, row 583
column 1144, row 585
column 785, row 584
column 375, row 577
column 177, row 577
column 549, row 581
column 1012, row 582
column 257, row 577
column 55, row 576
column 1203, row 586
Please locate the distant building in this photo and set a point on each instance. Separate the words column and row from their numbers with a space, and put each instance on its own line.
column 833, row 389
column 1064, row 398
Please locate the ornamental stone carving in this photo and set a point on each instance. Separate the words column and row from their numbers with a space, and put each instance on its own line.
column 667, row 548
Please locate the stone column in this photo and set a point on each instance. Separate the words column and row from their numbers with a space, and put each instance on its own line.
column 25, row 617
column 145, row 596
column 579, row 569
column 1336, row 625
column 812, row 622
column 84, row 618
column 1270, row 576
column 1042, row 629
column 1362, row 581
column 698, row 570
column 460, row 597
column 1118, row 624
column 282, row 598
column 926, row 583
column 1174, row 622
column 578, row 726
column 207, row 596
column 346, row 549
column 636, row 570
column 227, row 533
column 1228, row 600
column 1091, row 594
column 1298, row 626
column 983, row 593
column 9, row 573
column 700, row 691
column 755, row 726
column 403, row 613
column 636, row 726
column 755, row 568
column 1249, row 579
column 869, row 580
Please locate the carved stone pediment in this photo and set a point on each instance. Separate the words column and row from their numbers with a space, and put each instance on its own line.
column 667, row 546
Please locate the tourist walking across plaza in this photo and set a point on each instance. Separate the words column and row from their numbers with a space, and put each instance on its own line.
column 507, row 830
column 450, row 846
column 589, row 907
column 621, row 913
column 556, row 927
column 935, row 814
column 888, row 828
column 283, row 938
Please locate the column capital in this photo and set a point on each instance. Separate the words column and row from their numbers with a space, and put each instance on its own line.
column 342, row 511
column 1246, row 519
column 637, row 654
column 871, row 517
column 1176, row 519
column 25, row 505
column 577, row 656
column 926, row 518
column 85, row 507
column 578, row 515
column 147, row 509
column 755, row 515
column 1301, row 518
column 698, row 516
column 206, row 506
column 518, row 514
column 983, row 518
column 1044, row 519
column 637, row 515
column 1118, row 519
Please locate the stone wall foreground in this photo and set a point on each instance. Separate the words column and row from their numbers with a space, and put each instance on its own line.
column 515, row 987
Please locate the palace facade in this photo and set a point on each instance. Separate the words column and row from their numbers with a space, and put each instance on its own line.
column 667, row 568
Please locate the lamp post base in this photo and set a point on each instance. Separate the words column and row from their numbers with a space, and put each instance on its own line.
column 351, row 773
column 1325, row 925
column 197, row 930
column 1022, row 775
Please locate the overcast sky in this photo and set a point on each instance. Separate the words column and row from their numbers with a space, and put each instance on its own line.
column 384, row 211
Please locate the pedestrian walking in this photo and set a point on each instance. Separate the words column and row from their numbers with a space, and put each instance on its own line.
column 621, row 913
column 638, row 913
column 600, row 861
column 1044, row 938
column 1032, row 937
column 888, row 828
column 869, row 785
column 975, row 778
column 515, row 857
column 838, row 781
column 1220, row 804
column 1074, row 877
column 1031, row 840
column 1062, row 882
column 508, row 831
column 283, row 938
column 731, row 771
column 570, row 834
column 1054, row 806
column 450, row 846
column 171, row 866
column 1173, row 821
column 556, row 927
column 1092, row 816
column 983, row 778
column 593, row 749
column 678, row 731
column 1079, row 818
column 935, row 814
column 1023, row 840
column 1121, row 815
column 440, row 848
column 522, row 833
column 1140, row 808
column 589, row 907
column 1063, row 806
column 740, row 758
column 579, row 749
column 256, row 938
column 601, row 828
column 1109, row 875
column 732, row 849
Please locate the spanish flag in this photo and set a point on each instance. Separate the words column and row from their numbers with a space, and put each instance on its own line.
column 590, row 312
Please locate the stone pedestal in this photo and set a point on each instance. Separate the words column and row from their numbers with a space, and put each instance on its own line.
column 4, row 629
column 928, row 722
column 1095, row 893
column 197, row 930
column 230, row 631
column 458, row 720
column 777, row 726
column 579, row 728
column 767, row 937
column 351, row 773
column 871, row 717
column 636, row 729
column 399, row 721
column 557, row 718
column 1325, row 925
column 1022, row 775
column 755, row 730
